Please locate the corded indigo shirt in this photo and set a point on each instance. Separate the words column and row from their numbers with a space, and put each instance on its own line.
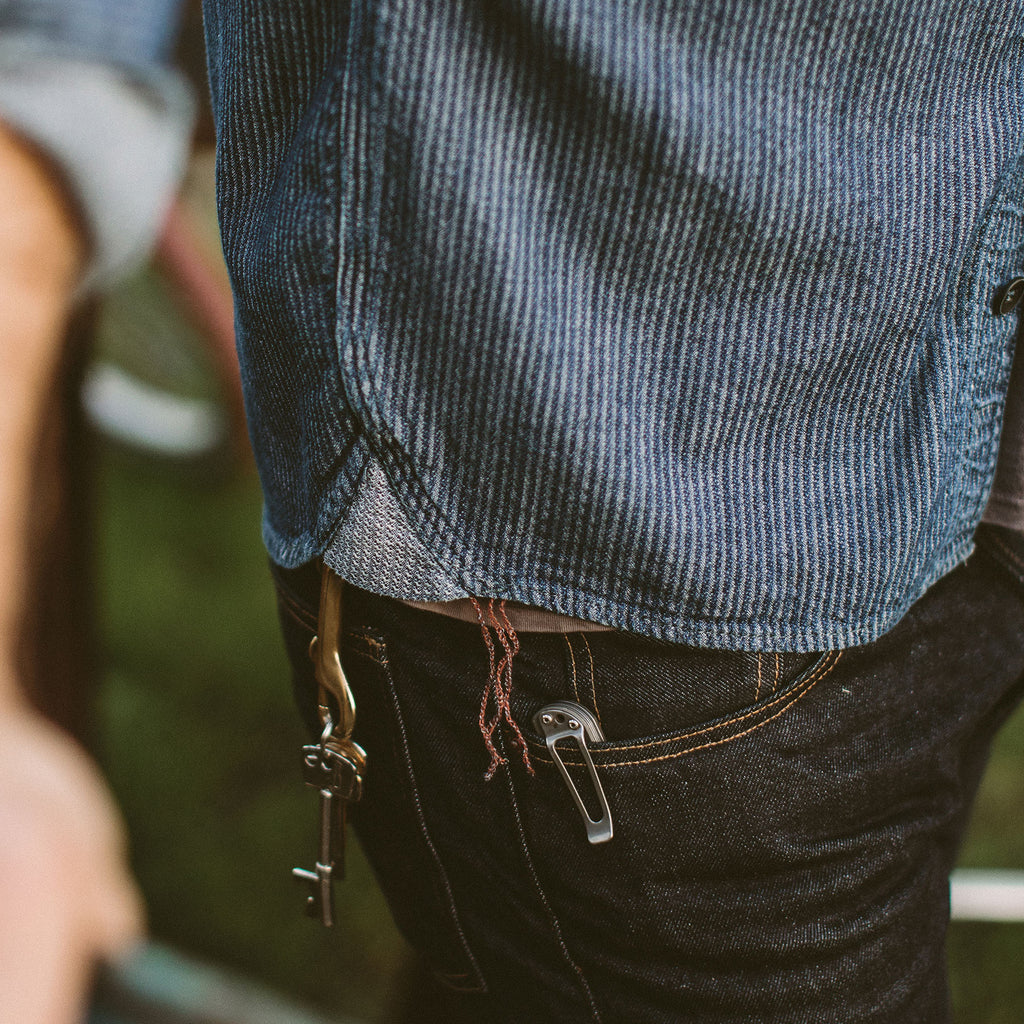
column 677, row 316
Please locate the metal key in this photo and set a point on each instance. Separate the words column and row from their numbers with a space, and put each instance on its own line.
column 335, row 765
column 334, row 768
column 339, row 770
column 320, row 901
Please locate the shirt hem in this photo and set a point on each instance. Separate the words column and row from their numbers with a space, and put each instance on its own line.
column 672, row 626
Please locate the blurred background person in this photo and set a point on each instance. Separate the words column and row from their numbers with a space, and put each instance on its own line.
column 93, row 127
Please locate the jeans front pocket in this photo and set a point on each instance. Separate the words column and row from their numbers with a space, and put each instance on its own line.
column 389, row 820
column 699, row 879
column 393, row 827
column 655, row 701
column 783, row 828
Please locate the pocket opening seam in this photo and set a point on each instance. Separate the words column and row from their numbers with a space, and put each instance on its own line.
column 454, row 982
column 1005, row 551
column 787, row 699
column 375, row 647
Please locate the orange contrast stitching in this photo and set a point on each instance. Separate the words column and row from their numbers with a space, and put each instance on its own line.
column 451, row 981
column 593, row 681
column 572, row 658
column 379, row 656
column 366, row 654
column 368, row 639
column 832, row 659
column 778, row 670
column 757, row 692
column 724, row 739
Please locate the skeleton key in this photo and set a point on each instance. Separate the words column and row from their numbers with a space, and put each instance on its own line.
column 320, row 902
column 349, row 764
column 334, row 768
column 335, row 765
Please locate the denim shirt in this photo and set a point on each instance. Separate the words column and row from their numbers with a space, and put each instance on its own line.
column 677, row 316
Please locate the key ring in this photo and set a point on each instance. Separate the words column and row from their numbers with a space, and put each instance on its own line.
column 328, row 725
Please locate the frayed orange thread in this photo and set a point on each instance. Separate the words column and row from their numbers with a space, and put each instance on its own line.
column 499, row 683
column 510, row 641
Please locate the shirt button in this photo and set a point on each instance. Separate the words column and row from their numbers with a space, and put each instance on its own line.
column 1011, row 296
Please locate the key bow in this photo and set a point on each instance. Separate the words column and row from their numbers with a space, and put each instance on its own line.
column 336, row 767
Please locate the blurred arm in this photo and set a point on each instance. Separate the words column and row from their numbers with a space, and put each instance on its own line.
column 64, row 895
column 94, row 130
column 41, row 254
column 92, row 138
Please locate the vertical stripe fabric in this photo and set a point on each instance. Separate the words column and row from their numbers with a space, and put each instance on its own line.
column 673, row 315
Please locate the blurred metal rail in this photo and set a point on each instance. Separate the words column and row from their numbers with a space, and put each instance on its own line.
column 161, row 986
column 986, row 895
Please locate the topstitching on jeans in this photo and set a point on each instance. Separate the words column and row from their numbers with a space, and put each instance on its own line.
column 572, row 665
column 549, row 911
column 762, row 715
column 377, row 652
column 1017, row 570
column 593, row 679
column 299, row 612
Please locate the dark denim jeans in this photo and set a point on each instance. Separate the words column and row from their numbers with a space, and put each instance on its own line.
column 784, row 825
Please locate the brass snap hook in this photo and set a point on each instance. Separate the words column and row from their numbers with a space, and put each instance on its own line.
column 325, row 651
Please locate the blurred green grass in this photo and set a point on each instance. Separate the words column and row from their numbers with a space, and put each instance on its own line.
column 200, row 740
column 201, row 744
column 198, row 733
column 987, row 960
